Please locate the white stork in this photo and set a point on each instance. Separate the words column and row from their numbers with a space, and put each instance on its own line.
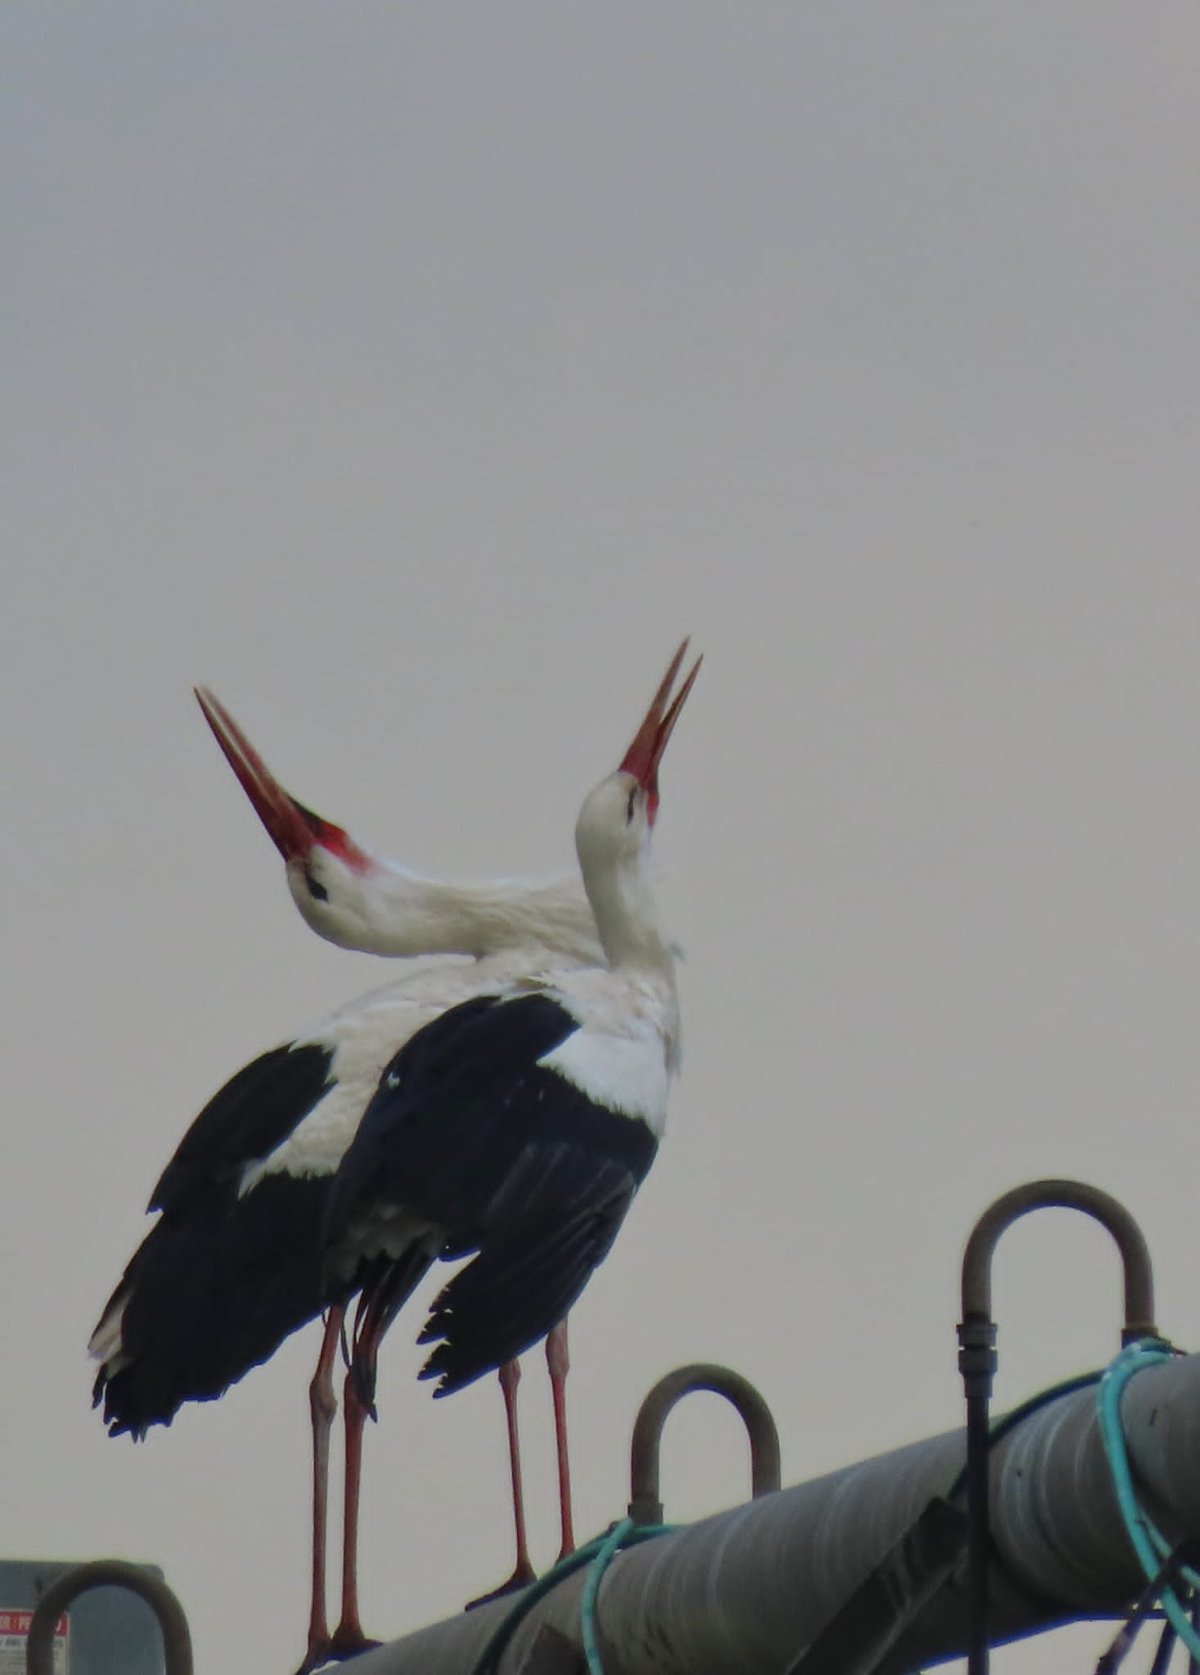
column 517, row 1127
column 364, row 902
column 233, row 1264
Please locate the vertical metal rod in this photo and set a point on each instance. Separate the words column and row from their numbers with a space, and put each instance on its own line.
column 978, row 1537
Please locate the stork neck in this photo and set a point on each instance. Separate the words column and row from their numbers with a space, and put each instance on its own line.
column 623, row 904
column 404, row 913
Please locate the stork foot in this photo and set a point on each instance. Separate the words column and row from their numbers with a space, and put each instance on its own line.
column 317, row 1654
column 343, row 1645
column 349, row 1642
column 521, row 1577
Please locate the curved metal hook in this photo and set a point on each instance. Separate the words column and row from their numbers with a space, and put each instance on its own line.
column 1067, row 1195
column 645, row 1507
column 108, row 1573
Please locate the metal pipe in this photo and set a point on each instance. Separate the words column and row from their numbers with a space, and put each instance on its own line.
column 108, row 1573
column 745, row 1592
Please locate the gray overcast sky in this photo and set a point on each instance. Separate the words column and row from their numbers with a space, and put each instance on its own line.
column 415, row 376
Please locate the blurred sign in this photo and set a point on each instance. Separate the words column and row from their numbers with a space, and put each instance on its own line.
column 14, row 1631
column 106, row 1629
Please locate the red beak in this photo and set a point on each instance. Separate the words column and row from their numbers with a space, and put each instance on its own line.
column 294, row 830
column 645, row 753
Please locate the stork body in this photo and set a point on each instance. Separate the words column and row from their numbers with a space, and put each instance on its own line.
column 516, row 1128
column 233, row 1264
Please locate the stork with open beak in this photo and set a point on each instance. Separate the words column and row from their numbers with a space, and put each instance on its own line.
column 517, row 1127
column 362, row 901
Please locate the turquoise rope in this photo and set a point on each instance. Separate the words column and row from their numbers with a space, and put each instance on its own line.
column 1149, row 1543
column 624, row 1534
column 598, row 1554
column 588, row 1623
column 488, row 1661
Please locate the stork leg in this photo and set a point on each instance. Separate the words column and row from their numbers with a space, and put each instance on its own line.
column 523, row 1573
column 510, row 1377
column 558, row 1361
column 322, row 1406
column 348, row 1636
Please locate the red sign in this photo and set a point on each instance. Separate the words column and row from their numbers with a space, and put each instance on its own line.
column 17, row 1622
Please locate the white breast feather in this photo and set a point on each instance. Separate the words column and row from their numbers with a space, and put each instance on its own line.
column 623, row 1073
column 625, row 1050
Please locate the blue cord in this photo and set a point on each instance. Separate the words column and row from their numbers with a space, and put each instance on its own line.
column 488, row 1661
column 606, row 1553
column 1149, row 1543
column 598, row 1554
column 624, row 1534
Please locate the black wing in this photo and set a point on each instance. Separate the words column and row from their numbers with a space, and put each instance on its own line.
column 471, row 1133
column 220, row 1280
column 210, row 1294
column 530, row 1271
column 255, row 1110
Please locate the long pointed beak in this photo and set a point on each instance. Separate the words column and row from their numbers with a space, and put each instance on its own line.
column 294, row 829
column 645, row 753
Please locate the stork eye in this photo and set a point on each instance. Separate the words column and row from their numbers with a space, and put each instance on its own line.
column 316, row 889
column 631, row 804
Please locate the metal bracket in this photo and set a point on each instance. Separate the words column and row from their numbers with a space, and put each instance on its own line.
column 859, row 1637
column 108, row 1573
column 645, row 1506
column 977, row 1358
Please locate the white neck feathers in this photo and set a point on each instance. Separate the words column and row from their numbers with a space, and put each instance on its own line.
column 390, row 910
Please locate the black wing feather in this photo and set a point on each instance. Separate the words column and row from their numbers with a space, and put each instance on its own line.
column 211, row 1294
column 517, row 1288
column 245, row 1120
column 220, row 1280
column 470, row 1132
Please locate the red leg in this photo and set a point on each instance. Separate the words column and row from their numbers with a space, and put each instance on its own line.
column 322, row 1405
column 348, row 1637
column 523, row 1573
column 559, row 1363
column 510, row 1377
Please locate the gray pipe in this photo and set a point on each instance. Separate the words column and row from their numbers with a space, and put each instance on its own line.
column 745, row 1592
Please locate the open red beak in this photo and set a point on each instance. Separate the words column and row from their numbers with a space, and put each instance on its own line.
column 294, row 829
column 645, row 753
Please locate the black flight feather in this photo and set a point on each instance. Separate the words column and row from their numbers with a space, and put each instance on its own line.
column 220, row 1280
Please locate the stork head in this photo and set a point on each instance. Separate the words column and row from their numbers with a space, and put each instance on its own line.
column 616, row 819
column 327, row 872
